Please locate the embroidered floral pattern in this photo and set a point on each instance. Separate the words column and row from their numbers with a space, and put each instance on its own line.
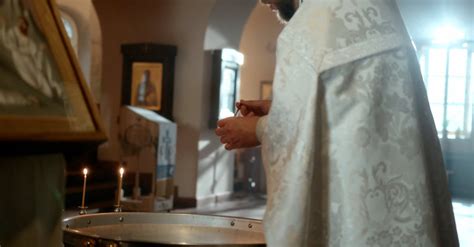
column 347, row 157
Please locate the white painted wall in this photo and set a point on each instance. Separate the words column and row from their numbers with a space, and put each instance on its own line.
column 258, row 44
column 226, row 22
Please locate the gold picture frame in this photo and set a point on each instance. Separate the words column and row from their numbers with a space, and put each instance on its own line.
column 43, row 94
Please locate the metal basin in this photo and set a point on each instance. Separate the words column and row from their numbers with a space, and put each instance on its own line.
column 161, row 229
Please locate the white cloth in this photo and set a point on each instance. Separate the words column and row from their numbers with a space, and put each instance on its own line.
column 349, row 146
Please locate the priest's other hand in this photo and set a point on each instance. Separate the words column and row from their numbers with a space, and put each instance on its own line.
column 254, row 107
column 238, row 132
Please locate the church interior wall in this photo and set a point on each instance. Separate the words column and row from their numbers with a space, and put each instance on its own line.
column 176, row 22
column 216, row 165
column 258, row 44
column 204, row 169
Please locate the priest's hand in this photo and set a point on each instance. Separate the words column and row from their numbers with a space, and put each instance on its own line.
column 238, row 132
column 254, row 107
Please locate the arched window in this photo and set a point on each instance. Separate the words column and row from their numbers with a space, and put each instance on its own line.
column 71, row 29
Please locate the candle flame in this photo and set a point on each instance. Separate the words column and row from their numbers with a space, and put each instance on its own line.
column 121, row 171
column 85, row 171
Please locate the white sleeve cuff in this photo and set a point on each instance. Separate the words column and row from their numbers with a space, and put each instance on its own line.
column 261, row 124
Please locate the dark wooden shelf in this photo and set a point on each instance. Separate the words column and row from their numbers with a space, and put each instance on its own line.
column 93, row 187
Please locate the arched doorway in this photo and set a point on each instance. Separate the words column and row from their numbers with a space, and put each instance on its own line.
column 251, row 29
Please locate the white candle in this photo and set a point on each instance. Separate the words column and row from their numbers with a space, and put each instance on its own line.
column 85, row 171
column 119, row 187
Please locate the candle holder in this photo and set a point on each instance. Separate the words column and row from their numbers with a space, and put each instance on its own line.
column 118, row 208
column 82, row 210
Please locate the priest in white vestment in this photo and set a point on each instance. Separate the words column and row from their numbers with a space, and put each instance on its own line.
column 349, row 144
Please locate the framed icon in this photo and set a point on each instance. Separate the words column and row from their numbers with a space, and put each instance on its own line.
column 147, row 84
column 43, row 94
column 148, row 77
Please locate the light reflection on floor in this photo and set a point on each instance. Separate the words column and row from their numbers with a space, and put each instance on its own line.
column 464, row 213
column 254, row 207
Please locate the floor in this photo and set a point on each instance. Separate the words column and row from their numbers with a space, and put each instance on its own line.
column 243, row 206
column 254, row 207
column 464, row 214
